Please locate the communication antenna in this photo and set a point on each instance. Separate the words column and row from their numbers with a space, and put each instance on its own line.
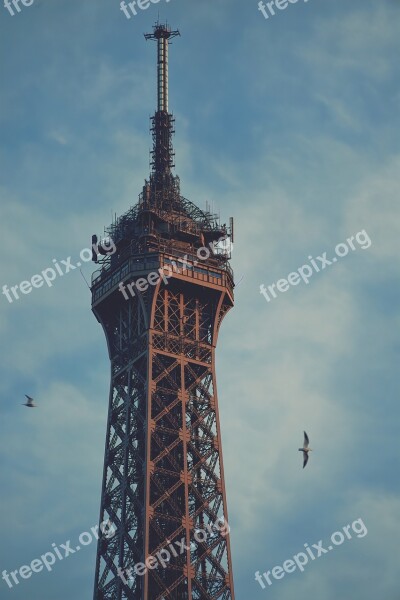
column 162, row 128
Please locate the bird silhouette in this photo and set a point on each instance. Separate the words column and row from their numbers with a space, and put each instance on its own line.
column 29, row 402
column 305, row 449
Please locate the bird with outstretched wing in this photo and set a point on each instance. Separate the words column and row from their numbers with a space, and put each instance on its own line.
column 305, row 449
column 29, row 402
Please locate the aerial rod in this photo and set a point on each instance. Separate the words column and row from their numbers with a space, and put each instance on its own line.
column 162, row 122
column 162, row 33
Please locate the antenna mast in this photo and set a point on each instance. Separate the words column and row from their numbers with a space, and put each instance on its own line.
column 162, row 122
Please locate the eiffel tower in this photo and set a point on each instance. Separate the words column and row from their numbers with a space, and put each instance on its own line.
column 160, row 298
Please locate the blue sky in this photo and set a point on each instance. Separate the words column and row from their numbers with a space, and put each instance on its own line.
column 291, row 126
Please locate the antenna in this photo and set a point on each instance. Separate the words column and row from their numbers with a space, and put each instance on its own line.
column 162, row 122
column 84, row 278
column 162, row 33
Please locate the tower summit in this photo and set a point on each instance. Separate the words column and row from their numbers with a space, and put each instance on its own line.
column 162, row 121
column 160, row 298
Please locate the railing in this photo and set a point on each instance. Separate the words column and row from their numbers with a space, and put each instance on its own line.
column 153, row 262
column 162, row 250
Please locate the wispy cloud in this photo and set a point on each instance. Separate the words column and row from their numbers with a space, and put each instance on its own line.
column 293, row 131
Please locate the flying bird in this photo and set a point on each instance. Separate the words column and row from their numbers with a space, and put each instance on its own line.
column 29, row 402
column 305, row 449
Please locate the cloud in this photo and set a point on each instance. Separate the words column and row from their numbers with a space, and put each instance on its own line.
column 58, row 137
column 292, row 130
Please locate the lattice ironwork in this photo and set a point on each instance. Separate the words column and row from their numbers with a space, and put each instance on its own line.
column 163, row 485
column 163, row 480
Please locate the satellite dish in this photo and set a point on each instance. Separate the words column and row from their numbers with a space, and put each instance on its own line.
column 94, row 248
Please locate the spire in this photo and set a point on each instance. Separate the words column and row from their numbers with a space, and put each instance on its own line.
column 162, row 122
